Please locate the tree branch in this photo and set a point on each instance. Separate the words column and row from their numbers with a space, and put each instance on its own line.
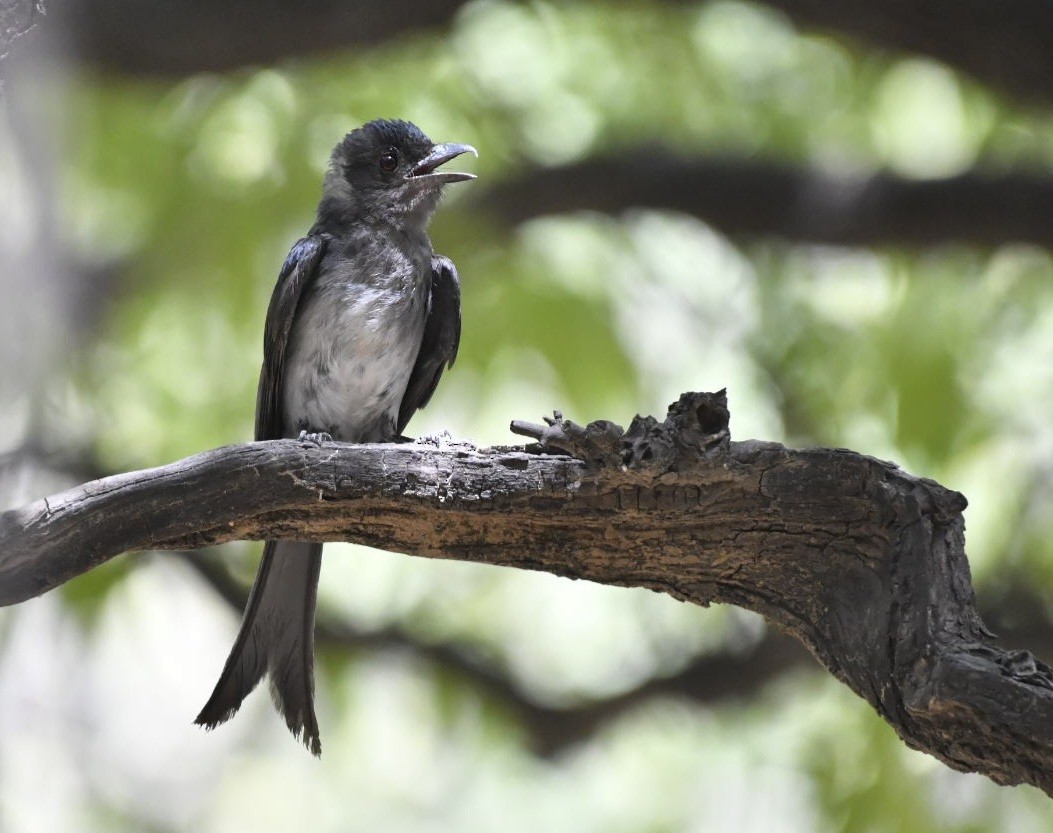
column 860, row 561
column 754, row 197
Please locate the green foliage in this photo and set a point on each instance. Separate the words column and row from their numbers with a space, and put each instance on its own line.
column 87, row 595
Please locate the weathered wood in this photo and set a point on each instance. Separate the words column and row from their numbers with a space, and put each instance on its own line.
column 863, row 563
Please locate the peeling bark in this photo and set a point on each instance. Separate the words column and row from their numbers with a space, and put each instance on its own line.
column 861, row 562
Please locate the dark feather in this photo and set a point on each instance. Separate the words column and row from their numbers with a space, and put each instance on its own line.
column 442, row 336
column 277, row 629
column 280, row 642
column 298, row 271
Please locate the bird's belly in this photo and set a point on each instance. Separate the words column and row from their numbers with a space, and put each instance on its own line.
column 347, row 372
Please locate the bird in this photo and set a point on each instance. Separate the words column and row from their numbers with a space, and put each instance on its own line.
column 362, row 323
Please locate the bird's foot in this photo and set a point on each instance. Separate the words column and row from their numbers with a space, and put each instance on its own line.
column 315, row 438
column 438, row 439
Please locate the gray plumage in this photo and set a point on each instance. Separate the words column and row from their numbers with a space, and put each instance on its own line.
column 363, row 320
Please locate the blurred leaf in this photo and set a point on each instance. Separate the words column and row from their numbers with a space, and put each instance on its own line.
column 87, row 594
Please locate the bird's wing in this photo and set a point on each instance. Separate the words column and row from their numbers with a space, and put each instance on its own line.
column 297, row 273
column 442, row 335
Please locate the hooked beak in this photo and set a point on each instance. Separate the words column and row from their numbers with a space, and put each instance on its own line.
column 439, row 155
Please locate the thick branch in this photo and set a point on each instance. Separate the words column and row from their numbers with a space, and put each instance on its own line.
column 860, row 561
column 754, row 197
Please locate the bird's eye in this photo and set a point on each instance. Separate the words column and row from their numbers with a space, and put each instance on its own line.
column 389, row 160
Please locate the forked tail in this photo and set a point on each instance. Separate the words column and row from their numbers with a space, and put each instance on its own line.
column 276, row 638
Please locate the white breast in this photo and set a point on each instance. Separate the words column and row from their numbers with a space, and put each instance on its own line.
column 350, row 356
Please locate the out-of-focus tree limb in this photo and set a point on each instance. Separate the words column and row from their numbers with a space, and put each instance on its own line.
column 711, row 678
column 861, row 562
column 549, row 729
column 153, row 37
column 754, row 197
column 1003, row 45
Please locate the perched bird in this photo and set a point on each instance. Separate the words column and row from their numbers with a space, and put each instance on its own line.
column 363, row 321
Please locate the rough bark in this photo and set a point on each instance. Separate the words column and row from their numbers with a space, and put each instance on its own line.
column 17, row 19
column 754, row 197
column 860, row 561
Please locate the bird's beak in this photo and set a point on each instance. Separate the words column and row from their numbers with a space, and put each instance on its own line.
column 439, row 155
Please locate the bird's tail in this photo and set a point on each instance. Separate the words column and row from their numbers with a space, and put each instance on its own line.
column 276, row 637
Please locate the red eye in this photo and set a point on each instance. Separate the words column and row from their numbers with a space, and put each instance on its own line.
column 389, row 160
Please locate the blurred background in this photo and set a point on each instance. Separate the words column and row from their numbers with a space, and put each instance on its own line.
column 843, row 215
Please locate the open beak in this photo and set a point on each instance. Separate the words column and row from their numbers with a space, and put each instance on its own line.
column 439, row 155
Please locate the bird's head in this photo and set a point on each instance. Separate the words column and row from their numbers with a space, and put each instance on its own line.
column 387, row 171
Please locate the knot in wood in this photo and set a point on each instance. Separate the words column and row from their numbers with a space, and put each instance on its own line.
column 695, row 428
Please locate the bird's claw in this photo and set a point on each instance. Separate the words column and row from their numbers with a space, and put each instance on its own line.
column 315, row 438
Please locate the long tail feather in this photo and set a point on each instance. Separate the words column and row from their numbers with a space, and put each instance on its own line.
column 276, row 637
